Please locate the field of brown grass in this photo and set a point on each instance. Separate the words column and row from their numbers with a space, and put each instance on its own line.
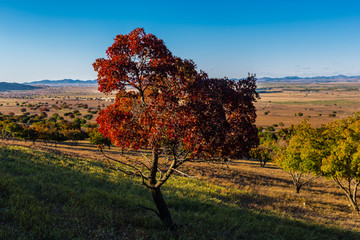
column 270, row 188
column 316, row 103
column 72, row 96
column 282, row 104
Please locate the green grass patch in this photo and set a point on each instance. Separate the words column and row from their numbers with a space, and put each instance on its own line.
column 46, row 196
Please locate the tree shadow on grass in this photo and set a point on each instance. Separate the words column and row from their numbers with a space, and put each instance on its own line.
column 56, row 197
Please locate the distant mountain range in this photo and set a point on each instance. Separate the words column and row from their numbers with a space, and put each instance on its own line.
column 70, row 82
column 338, row 78
column 64, row 82
column 5, row 86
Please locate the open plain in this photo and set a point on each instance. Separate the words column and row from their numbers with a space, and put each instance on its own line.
column 265, row 189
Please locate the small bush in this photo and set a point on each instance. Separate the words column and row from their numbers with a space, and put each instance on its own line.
column 270, row 129
column 88, row 116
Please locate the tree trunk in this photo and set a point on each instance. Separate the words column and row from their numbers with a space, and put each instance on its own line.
column 163, row 210
column 298, row 186
column 351, row 195
column 353, row 203
column 159, row 201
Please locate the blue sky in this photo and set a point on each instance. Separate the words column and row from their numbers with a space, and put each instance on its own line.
column 61, row 39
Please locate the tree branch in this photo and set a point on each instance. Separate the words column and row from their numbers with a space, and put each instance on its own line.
column 337, row 181
column 149, row 209
column 167, row 175
column 186, row 175
column 356, row 184
column 137, row 171
column 311, row 179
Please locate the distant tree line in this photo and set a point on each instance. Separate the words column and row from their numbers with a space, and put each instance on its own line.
column 52, row 129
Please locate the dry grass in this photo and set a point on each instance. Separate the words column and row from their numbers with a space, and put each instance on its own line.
column 270, row 188
column 57, row 96
column 284, row 105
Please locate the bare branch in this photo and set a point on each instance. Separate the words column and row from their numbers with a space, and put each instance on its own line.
column 338, row 182
column 158, row 169
column 186, row 175
column 311, row 179
column 167, row 175
column 149, row 209
column 356, row 184
column 118, row 161
column 137, row 171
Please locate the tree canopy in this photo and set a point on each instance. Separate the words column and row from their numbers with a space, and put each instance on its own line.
column 342, row 161
column 302, row 155
column 163, row 103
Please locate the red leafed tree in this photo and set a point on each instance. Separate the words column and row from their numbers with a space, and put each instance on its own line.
column 163, row 104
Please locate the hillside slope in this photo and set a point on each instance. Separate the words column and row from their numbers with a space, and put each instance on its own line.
column 47, row 196
column 5, row 86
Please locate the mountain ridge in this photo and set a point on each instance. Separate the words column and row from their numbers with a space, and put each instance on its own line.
column 295, row 79
column 336, row 78
column 5, row 86
column 63, row 82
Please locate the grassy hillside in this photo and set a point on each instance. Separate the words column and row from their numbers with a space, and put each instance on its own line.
column 46, row 196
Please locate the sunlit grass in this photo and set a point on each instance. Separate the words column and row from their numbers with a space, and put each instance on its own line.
column 47, row 196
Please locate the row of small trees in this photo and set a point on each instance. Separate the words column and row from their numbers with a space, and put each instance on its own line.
column 306, row 152
column 48, row 129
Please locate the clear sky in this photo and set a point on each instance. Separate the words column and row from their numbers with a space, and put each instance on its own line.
column 61, row 39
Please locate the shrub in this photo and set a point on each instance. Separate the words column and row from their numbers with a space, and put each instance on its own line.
column 43, row 115
column 88, row 116
column 270, row 129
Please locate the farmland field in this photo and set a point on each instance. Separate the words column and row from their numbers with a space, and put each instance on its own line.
column 320, row 103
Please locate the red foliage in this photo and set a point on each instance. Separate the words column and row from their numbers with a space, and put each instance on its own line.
column 168, row 103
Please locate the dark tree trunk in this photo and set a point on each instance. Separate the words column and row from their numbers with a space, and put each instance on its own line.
column 163, row 210
column 159, row 201
column 298, row 188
